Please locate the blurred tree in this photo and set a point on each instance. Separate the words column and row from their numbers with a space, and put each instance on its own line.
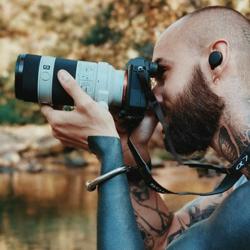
column 101, row 33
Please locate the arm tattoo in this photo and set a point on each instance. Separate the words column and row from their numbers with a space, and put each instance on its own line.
column 153, row 219
column 182, row 228
column 195, row 211
column 140, row 192
column 196, row 215
column 148, row 239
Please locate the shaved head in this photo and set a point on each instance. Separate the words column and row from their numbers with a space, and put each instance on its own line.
column 200, row 28
column 205, row 25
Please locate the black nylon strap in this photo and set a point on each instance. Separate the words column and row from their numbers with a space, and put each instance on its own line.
column 197, row 164
column 233, row 173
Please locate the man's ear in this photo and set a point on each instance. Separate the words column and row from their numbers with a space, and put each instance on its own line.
column 218, row 58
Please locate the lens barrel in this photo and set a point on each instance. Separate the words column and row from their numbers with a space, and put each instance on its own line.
column 36, row 80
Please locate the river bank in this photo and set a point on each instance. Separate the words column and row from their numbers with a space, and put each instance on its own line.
column 32, row 148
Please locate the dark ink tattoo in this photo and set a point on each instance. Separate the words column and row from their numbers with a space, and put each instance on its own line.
column 243, row 139
column 195, row 214
column 146, row 236
column 231, row 145
column 177, row 233
column 141, row 194
column 227, row 147
column 246, row 33
column 140, row 191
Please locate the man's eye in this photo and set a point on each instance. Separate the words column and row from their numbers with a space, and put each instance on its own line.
column 160, row 78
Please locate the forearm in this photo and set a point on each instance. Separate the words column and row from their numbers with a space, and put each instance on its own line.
column 152, row 215
column 116, row 225
column 157, row 224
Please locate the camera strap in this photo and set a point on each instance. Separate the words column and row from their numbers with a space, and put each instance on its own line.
column 232, row 174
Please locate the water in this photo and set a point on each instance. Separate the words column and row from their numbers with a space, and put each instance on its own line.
column 52, row 210
column 47, row 211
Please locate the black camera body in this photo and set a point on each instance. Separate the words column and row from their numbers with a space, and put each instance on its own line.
column 136, row 102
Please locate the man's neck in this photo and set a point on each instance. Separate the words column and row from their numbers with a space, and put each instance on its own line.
column 230, row 140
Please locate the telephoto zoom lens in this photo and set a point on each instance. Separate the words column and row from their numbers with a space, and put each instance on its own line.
column 36, row 80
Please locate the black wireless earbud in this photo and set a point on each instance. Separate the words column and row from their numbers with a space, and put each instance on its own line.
column 215, row 59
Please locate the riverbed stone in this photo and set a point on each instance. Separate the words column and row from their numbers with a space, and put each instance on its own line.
column 32, row 148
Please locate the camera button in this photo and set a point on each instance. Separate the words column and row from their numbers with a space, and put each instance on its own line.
column 45, row 76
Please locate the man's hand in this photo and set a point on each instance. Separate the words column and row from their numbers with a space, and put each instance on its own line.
column 88, row 118
column 140, row 137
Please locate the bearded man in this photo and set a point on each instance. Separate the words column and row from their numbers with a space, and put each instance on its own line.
column 208, row 104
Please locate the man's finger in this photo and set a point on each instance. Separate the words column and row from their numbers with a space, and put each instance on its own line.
column 144, row 131
column 46, row 110
column 49, row 113
column 56, row 117
column 72, row 88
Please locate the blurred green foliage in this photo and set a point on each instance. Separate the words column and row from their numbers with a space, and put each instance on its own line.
column 18, row 112
column 100, row 30
column 100, row 33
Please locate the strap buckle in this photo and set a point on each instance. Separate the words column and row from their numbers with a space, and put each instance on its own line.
column 91, row 185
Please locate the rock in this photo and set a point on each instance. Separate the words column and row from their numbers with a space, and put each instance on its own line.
column 30, row 166
column 9, row 159
column 47, row 145
column 37, row 139
column 157, row 162
column 32, row 148
column 75, row 159
column 11, row 142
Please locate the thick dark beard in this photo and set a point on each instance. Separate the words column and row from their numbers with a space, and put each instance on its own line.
column 195, row 116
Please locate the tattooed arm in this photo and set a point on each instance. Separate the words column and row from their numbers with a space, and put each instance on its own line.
column 157, row 224
column 152, row 215
column 197, row 210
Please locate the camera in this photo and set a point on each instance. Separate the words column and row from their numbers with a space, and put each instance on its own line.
column 36, row 81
